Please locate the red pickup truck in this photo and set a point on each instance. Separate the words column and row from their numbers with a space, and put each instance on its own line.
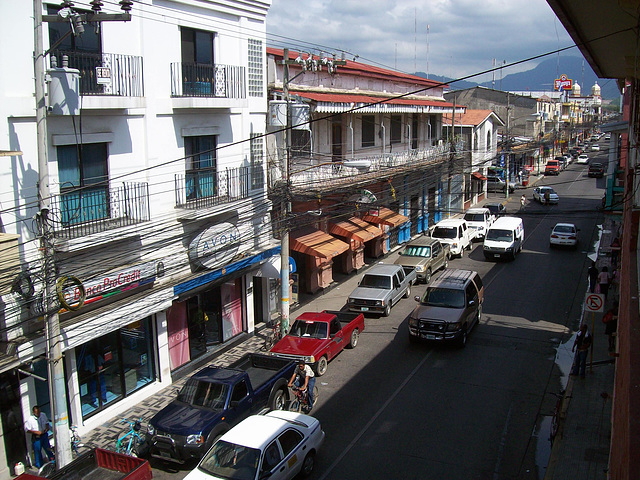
column 318, row 337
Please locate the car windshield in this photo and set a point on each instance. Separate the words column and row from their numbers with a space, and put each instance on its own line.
column 444, row 232
column 474, row 217
column 563, row 229
column 417, row 251
column 228, row 460
column 547, row 189
column 444, row 297
column 308, row 328
column 376, row 281
column 203, row 394
column 500, row 235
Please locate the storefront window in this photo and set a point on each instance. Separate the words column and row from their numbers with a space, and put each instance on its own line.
column 114, row 365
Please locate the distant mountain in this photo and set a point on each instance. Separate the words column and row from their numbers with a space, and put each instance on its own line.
column 541, row 78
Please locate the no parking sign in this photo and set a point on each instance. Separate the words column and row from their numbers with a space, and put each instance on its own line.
column 594, row 302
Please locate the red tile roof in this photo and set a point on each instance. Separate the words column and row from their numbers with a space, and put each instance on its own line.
column 368, row 99
column 469, row 118
column 365, row 70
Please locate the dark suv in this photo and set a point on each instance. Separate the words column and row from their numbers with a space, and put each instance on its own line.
column 596, row 170
column 449, row 308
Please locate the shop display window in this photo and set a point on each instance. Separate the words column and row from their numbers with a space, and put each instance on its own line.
column 114, row 366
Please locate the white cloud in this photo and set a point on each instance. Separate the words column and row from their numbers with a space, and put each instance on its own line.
column 464, row 35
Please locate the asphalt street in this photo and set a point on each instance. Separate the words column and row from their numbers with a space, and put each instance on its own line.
column 392, row 409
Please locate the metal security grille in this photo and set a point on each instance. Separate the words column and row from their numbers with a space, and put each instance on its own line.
column 255, row 68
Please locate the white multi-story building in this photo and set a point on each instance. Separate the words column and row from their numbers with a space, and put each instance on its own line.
column 158, row 201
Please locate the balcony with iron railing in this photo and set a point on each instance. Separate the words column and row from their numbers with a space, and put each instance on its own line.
column 194, row 85
column 304, row 173
column 79, row 212
column 208, row 188
column 106, row 79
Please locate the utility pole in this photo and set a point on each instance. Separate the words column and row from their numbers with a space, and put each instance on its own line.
column 452, row 155
column 284, row 205
column 57, row 387
column 508, row 152
column 57, row 391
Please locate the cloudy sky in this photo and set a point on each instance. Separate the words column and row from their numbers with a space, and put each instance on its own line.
column 464, row 36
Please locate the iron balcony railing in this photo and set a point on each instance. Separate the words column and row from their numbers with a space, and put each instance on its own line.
column 80, row 212
column 207, row 188
column 109, row 74
column 200, row 80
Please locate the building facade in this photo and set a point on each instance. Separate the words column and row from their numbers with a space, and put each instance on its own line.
column 158, row 212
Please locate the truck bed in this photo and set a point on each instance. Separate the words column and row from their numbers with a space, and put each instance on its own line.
column 260, row 368
column 344, row 317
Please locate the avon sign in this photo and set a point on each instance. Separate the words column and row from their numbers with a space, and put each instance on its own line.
column 215, row 247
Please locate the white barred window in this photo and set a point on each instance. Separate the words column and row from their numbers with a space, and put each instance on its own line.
column 257, row 157
column 255, row 68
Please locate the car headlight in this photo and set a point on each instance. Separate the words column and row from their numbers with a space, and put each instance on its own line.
column 454, row 327
column 197, row 439
column 379, row 303
column 484, row 247
column 413, row 322
column 454, row 245
column 420, row 268
column 310, row 359
column 351, row 300
column 151, row 430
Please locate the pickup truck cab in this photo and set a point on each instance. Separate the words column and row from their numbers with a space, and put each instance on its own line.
column 426, row 255
column 479, row 219
column 317, row 338
column 214, row 400
column 552, row 167
column 456, row 233
column 381, row 288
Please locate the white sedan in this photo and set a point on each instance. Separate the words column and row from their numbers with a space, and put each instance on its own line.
column 583, row 159
column 278, row 446
column 545, row 195
column 565, row 234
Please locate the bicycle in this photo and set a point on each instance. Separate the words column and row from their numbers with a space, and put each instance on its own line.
column 300, row 402
column 131, row 442
column 76, row 440
column 557, row 415
column 274, row 335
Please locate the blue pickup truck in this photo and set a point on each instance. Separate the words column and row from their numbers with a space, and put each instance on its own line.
column 214, row 400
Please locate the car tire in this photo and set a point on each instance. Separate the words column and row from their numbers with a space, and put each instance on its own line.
column 407, row 292
column 321, row 366
column 387, row 310
column 278, row 400
column 461, row 252
column 427, row 276
column 308, row 464
column 353, row 341
column 462, row 341
column 446, row 264
column 479, row 314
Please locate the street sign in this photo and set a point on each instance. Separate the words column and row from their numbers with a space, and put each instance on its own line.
column 594, row 302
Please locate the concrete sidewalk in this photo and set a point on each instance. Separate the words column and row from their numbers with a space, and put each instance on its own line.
column 581, row 447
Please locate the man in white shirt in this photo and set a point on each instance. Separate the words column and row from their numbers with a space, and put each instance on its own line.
column 304, row 378
column 38, row 426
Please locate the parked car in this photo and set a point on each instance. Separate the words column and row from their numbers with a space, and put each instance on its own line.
column 607, row 136
column 595, row 147
column 278, row 445
column 583, row 159
column 552, row 167
column 456, row 233
column 380, row 289
column 426, row 255
column 497, row 184
column 215, row 399
column 564, row 234
column 496, row 209
column 596, row 170
column 479, row 219
column 317, row 338
column 449, row 308
column 540, row 194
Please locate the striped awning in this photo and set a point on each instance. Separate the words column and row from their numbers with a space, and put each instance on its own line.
column 385, row 216
column 356, row 229
column 318, row 244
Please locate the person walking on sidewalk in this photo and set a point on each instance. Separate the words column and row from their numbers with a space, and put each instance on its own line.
column 38, row 426
column 593, row 277
column 582, row 344
column 610, row 320
column 523, row 200
column 603, row 281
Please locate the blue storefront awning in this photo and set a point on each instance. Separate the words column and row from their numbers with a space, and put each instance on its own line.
column 226, row 270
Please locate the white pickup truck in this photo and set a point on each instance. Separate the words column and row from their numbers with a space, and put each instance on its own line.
column 455, row 232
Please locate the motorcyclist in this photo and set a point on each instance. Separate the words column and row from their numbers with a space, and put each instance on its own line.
column 304, row 378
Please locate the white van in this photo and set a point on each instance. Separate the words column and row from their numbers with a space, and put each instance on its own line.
column 504, row 238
